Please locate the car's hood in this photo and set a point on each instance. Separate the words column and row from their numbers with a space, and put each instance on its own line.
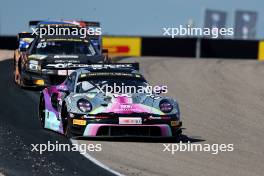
column 121, row 104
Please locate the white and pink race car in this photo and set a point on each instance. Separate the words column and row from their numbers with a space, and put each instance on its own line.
column 86, row 105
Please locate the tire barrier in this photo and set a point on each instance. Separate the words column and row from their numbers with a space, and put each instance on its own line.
column 175, row 47
column 122, row 46
column 172, row 47
column 234, row 49
column 8, row 42
column 261, row 51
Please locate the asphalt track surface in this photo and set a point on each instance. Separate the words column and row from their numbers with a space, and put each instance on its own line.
column 222, row 102
column 19, row 128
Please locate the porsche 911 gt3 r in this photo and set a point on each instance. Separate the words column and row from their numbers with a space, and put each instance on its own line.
column 79, row 107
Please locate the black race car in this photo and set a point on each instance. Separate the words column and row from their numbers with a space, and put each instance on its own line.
column 49, row 59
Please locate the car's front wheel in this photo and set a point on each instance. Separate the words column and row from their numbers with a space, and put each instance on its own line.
column 66, row 122
column 17, row 74
column 41, row 112
column 68, row 132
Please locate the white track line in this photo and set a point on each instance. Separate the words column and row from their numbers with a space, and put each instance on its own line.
column 95, row 161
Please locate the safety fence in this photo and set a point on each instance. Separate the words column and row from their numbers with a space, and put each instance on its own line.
column 172, row 47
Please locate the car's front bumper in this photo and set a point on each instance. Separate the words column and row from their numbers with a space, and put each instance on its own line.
column 111, row 127
column 44, row 78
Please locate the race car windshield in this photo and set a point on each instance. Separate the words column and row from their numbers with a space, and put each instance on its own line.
column 121, row 85
column 65, row 48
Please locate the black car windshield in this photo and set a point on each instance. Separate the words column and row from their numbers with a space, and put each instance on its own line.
column 65, row 47
column 118, row 85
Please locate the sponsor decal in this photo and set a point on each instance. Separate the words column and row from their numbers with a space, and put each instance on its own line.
column 130, row 120
column 78, row 122
column 125, row 107
column 66, row 56
column 62, row 72
column 67, row 65
column 67, row 61
column 37, row 56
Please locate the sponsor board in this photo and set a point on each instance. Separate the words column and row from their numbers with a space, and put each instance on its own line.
column 122, row 46
column 261, row 51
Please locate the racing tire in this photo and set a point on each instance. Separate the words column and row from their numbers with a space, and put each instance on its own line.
column 14, row 68
column 41, row 111
column 18, row 78
column 177, row 133
column 68, row 132
column 15, row 71
column 66, row 122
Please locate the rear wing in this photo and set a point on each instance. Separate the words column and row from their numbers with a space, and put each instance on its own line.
column 33, row 23
column 26, row 35
column 80, row 23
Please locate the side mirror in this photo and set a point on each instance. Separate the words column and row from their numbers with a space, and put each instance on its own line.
column 105, row 51
column 63, row 88
column 107, row 59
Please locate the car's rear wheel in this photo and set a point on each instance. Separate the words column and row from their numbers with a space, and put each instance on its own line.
column 41, row 112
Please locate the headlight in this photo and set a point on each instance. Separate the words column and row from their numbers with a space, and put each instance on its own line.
column 84, row 105
column 165, row 106
column 33, row 65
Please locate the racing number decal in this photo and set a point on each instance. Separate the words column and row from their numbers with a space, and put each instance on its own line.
column 42, row 45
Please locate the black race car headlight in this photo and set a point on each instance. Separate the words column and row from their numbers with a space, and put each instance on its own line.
column 84, row 105
column 165, row 106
